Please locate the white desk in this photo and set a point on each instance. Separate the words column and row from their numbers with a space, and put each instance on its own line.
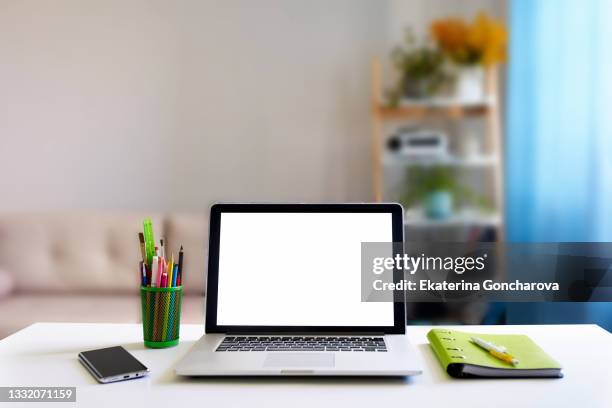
column 45, row 354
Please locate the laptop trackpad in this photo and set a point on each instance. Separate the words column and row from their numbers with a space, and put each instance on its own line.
column 299, row 360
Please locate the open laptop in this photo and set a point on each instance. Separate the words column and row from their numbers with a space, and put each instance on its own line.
column 284, row 294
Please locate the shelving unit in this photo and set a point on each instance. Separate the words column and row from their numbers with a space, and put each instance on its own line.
column 448, row 109
column 417, row 219
column 456, row 161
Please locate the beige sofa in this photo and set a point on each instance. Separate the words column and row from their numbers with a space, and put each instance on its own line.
column 83, row 266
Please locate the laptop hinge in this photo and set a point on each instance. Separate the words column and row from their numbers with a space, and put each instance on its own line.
column 312, row 333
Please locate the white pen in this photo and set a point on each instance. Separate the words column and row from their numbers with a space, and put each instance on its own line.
column 496, row 351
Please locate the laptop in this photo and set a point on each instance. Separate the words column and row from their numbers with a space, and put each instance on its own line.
column 284, row 294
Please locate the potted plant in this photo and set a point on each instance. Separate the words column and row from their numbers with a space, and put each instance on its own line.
column 437, row 189
column 471, row 47
column 422, row 71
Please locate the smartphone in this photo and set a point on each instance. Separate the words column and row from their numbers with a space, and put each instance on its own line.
column 112, row 364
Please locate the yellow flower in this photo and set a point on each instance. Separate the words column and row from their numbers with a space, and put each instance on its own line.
column 482, row 41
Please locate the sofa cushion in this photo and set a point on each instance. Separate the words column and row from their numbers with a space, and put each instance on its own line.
column 19, row 311
column 76, row 252
column 94, row 252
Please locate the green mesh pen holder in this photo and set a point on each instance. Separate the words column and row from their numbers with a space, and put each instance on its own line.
column 161, row 315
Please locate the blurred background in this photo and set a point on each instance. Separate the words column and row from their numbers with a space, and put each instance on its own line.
column 488, row 119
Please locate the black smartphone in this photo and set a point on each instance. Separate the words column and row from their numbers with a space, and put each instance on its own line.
column 112, row 364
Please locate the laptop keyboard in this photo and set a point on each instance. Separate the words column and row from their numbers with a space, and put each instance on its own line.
column 308, row 343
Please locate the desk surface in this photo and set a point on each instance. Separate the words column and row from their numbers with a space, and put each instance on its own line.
column 45, row 354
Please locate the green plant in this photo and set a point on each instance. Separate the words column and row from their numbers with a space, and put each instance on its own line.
column 422, row 71
column 422, row 181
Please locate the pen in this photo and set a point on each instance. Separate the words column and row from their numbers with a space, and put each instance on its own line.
column 496, row 351
column 143, row 274
column 163, row 249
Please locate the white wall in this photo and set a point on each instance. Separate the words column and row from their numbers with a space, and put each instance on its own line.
column 162, row 105
column 174, row 104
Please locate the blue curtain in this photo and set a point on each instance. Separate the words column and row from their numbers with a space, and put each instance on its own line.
column 559, row 135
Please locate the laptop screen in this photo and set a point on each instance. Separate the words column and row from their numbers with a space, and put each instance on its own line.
column 297, row 269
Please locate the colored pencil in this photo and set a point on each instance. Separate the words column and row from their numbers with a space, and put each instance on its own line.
column 175, row 275
column 170, row 271
column 160, row 271
column 167, row 296
column 179, row 279
column 143, row 251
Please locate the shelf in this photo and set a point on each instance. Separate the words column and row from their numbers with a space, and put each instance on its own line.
column 466, row 218
column 435, row 108
column 485, row 109
column 445, row 102
column 391, row 159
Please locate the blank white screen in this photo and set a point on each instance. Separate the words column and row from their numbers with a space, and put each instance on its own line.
column 298, row 269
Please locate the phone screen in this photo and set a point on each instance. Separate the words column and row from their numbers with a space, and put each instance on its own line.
column 112, row 361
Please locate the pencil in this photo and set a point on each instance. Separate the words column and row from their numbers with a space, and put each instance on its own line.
column 143, row 252
column 171, row 314
column 175, row 275
column 160, row 271
column 179, row 279
column 170, row 270
column 167, row 297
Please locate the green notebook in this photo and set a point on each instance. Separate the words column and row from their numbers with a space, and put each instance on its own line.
column 463, row 359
